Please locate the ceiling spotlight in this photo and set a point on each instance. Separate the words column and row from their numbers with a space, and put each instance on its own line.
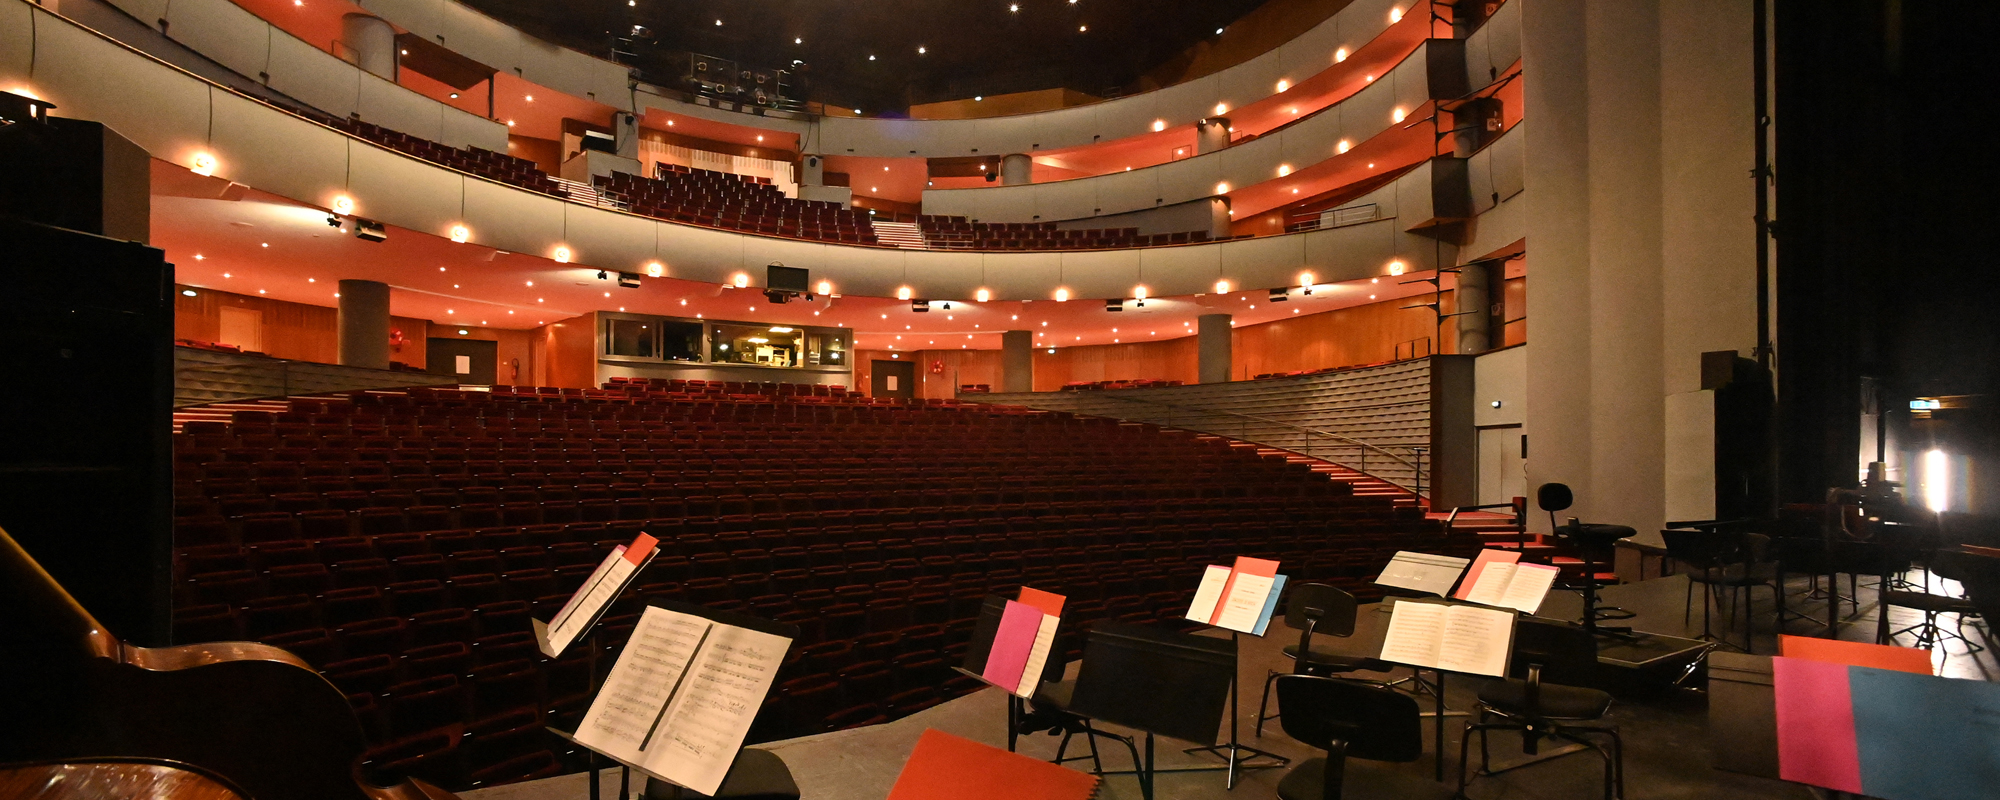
column 1222, row 287
column 459, row 234
column 978, row 98
column 798, row 40
column 656, row 269
column 562, row 255
column 204, row 165
column 1014, row 7
column 982, row 295
column 904, row 293
column 343, row 205
column 718, row 23
column 1062, row 295
column 454, row 95
column 921, row 51
column 1083, row 29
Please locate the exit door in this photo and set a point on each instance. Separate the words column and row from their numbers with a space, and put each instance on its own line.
column 893, row 379
column 1503, row 473
column 471, row 361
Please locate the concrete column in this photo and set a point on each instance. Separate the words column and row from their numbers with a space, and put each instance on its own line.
column 1215, row 341
column 812, row 171
column 1016, row 170
column 1017, row 361
column 373, row 41
column 364, row 324
column 1210, row 135
column 1473, row 295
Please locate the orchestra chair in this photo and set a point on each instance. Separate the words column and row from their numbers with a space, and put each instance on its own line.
column 1047, row 711
column 1352, row 719
column 755, row 775
column 1317, row 608
column 1544, row 698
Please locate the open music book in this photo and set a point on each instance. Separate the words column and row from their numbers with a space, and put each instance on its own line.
column 1238, row 598
column 1518, row 586
column 1422, row 572
column 1452, row 638
column 1012, row 639
column 602, row 587
column 682, row 695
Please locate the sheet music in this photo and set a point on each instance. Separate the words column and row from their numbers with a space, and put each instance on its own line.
column 1476, row 640
column 602, row 588
column 682, row 696
column 1529, row 586
column 1208, row 594
column 636, row 694
column 1478, row 568
column 1245, row 602
column 712, row 713
column 1492, row 584
column 1038, row 657
column 1422, row 572
column 1415, row 630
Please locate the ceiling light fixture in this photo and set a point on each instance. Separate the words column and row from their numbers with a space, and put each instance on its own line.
column 203, row 164
column 1062, row 296
column 1284, row 85
column 343, row 205
column 904, row 293
column 1340, row 55
column 982, row 295
column 1222, row 286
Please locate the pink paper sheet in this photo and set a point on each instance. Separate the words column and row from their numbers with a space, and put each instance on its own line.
column 1009, row 656
column 1816, row 742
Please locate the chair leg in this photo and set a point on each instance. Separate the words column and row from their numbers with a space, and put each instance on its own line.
column 1265, row 706
column 1090, row 735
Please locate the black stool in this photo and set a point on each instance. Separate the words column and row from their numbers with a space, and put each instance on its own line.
column 1590, row 541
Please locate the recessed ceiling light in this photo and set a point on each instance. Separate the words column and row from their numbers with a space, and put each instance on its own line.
column 1014, row 7
column 198, row 256
column 531, row 98
column 871, row 58
column 978, row 98
column 454, row 95
column 1082, row 28
column 718, row 23
column 921, row 50
column 798, row 40
column 266, row 244
column 188, row 292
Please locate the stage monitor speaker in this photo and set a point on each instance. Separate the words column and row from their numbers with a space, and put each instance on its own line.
column 76, row 174
column 85, row 482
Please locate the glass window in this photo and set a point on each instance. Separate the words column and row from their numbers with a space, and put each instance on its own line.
column 771, row 346
column 680, row 341
column 827, row 349
column 632, row 337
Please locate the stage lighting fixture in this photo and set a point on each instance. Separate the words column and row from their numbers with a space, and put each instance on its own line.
column 920, row 306
column 603, row 276
column 628, row 280
column 1114, row 305
column 1279, row 295
column 370, row 231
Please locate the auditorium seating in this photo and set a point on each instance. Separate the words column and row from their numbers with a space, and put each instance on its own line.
column 736, row 202
column 485, row 163
column 958, row 233
column 400, row 541
column 1094, row 386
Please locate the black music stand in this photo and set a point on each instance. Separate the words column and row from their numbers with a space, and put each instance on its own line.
column 1157, row 681
column 589, row 633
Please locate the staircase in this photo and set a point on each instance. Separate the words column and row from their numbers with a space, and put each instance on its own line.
column 207, row 376
column 905, row 235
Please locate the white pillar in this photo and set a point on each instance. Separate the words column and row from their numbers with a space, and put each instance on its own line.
column 373, row 41
column 1017, row 169
column 1210, row 135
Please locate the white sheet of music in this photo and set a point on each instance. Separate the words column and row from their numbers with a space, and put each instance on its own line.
column 1415, row 630
column 1476, row 640
column 1452, row 638
column 1245, row 603
column 681, row 697
column 1208, row 594
column 1516, row 586
column 1038, row 656
column 1423, row 572
column 601, row 588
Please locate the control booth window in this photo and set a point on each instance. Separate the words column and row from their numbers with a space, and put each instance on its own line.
column 764, row 345
column 827, row 348
column 636, row 338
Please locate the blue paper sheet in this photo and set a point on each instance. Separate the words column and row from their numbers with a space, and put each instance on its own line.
column 1270, row 605
column 1926, row 738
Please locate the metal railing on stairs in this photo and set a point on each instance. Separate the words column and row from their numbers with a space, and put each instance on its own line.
column 204, row 376
column 1311, row 442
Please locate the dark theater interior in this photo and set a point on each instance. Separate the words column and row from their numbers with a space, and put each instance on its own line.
column 998, row 400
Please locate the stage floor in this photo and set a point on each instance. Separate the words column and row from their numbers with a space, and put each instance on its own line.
column 1666, row 732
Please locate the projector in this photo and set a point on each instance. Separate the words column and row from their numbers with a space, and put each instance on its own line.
column 628, row 280
column 370, row 230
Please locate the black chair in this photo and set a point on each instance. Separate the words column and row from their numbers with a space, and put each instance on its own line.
column 755, row 775
column 1317, row 608
column 1594, row 544
column 1545, row 699
column 1352, row 719
column 1725, row 559
column 1955, row 565
column 1047, row 711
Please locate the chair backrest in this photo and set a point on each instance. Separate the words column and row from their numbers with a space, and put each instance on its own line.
column 1330, row 607
column 1376, row 722
column 1704, row 549
column 1566, row 652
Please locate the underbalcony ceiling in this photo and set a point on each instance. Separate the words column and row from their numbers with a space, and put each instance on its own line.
column 970, row 47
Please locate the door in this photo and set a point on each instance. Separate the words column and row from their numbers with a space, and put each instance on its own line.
column 1503, row 473
column 243, row 327
column 893, row 379
column 472, row 361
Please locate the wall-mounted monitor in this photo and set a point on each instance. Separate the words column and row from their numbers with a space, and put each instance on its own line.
column 788, row 279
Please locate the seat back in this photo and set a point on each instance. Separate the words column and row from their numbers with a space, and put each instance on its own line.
column 1326, row 609
column 1565, row 651
column 1376, row 722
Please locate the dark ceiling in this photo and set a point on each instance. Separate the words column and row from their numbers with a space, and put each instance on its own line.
column 972, row 47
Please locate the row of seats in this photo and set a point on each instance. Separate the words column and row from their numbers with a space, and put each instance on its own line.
column 736, row 202
column 948, row 232
column 1091, row 386
column 421, row 530
column 519, row 172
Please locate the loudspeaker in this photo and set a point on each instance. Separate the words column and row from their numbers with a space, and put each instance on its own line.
column 85, row 482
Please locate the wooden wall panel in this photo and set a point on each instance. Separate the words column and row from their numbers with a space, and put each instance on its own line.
column 569, row 350
column 290, row 330
column 1174, row 359
column 1359, row 335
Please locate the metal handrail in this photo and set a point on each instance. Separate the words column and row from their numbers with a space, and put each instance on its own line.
column 1364, row 446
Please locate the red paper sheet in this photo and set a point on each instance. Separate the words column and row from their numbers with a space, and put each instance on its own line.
column 1816, row 742
column 946, row 767
column 640, row 548
column 1049, row 603
column 1471, row 578
column 1245, row 565
column 1856, row 654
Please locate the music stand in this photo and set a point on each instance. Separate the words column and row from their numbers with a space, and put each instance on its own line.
column 1157, row 681
column 589, row 632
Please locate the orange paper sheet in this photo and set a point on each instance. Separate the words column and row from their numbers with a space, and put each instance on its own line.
column 946, row 767
column 1048, row 603
column 1856, row 654
column 1245, row 565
